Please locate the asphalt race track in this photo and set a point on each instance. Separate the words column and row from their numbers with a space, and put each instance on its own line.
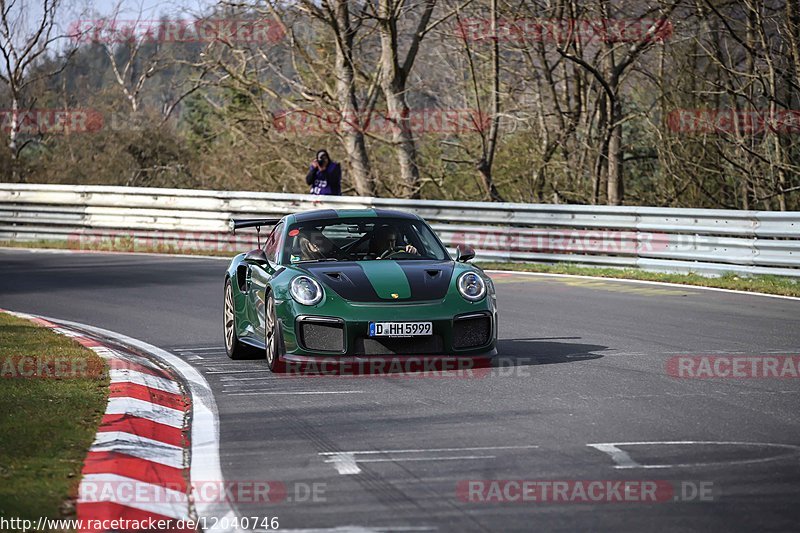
column 581, row 362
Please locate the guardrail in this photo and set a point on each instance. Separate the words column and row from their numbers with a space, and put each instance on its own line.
column 706, row 241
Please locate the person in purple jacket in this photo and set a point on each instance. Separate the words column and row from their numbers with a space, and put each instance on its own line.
column 324, row 176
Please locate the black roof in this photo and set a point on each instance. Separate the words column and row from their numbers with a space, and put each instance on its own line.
column 325, row 214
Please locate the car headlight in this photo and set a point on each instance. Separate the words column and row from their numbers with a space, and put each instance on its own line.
column 471, row 286
column 306, row 290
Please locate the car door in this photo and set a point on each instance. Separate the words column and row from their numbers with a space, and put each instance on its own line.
column 259, row 275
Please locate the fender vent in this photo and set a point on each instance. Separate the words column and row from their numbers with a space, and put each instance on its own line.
column 241, row 277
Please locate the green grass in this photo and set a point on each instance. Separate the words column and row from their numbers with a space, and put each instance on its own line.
column 46, row 424
column 767, row 284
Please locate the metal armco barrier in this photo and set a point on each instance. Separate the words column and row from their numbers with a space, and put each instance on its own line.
column 706, row 241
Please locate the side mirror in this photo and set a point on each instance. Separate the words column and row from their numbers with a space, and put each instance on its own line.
column 464, row 253
column 256, row 256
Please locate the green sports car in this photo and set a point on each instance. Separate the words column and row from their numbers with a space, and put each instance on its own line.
column 339, row 284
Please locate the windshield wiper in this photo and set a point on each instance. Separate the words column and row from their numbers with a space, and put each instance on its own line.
column 315, row 260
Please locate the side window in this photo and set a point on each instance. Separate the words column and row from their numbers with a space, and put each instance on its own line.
column 271, row 246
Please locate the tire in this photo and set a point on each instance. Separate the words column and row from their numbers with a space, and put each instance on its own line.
column 233, row 346
column 273, row 340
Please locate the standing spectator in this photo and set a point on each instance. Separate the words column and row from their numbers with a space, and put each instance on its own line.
column 324, row 176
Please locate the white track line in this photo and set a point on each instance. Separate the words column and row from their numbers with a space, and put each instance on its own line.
column 298, row 393
column 111, row 252
column 403, row 459
column 612, row 449
column 641, row 281
column 346, row 462
column 621, row 457
column 237, row 371
column 425, row 450
column 354, row 529
column 220, row 349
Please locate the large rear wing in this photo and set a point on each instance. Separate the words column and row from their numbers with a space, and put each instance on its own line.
column 242, row 223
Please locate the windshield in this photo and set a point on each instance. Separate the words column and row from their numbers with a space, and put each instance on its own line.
column 362, row 239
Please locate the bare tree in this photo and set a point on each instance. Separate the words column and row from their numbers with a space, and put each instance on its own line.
column 301, row 78
column 609, row 71
column 26, row 35
column 394, row 72
column 134, row 57
column 337, row 16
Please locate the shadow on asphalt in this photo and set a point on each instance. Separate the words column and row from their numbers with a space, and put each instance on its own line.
column 544, row 351
column 511, row 353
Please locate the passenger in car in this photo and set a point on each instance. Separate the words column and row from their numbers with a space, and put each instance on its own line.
column 313, row 245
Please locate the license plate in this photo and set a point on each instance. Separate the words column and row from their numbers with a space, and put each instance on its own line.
column 400, row 329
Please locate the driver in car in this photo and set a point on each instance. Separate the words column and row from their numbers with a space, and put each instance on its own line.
column 384, row 243
column 312, row 245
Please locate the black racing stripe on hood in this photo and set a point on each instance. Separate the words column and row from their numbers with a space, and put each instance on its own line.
column 348, row 280
column 429, row 280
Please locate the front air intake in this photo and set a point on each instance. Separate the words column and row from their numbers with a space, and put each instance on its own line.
column 322, row 334
column 472, row 331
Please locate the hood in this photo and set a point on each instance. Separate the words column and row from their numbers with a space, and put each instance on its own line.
column 379, row 280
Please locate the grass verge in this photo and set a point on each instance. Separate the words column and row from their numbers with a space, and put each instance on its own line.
column 47, row 420
column 766, row 284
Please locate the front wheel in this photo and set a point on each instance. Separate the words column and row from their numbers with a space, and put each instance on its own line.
column 272, row 336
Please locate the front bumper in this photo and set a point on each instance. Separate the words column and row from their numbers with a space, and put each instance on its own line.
column 467, row 332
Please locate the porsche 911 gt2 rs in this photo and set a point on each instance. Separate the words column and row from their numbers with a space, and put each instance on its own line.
column 338, row 284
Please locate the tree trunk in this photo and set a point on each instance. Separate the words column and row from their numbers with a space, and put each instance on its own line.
column 393, row 85
column 793, row 27
column 601, row 163
column 486, row 163
column 615, row 185
column 353, row 130
column 12, row 138
column 402, row 137
column 485, row 170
